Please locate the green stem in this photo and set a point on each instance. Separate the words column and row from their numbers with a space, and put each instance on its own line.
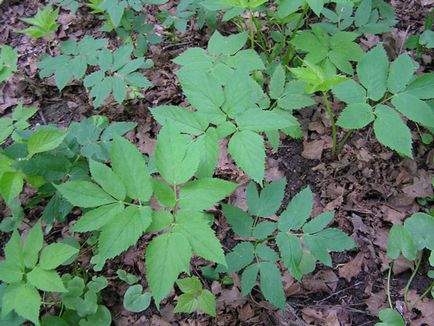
column 343, row 142
column 252, row 34
column 428, row 290
column 332, row 122
column 407, row 287
column 389, row 274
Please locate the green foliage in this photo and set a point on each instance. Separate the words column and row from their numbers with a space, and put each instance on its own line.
column 26, row 269
column 194, row 297
column 18, row 122
column 390, row 317
column 71, row 5
column 8, row 62
column 381, row 82
column 43, row 24
column 135, row 300
column 293, row 228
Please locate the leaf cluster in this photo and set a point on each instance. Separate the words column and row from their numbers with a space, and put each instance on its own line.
column 8, row 62
column 43, row 24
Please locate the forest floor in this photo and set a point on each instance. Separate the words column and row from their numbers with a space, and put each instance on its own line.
column 369, row 187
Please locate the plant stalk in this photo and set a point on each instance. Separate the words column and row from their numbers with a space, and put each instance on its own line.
column 407, row 287
column 389, row 275
column 332, row 122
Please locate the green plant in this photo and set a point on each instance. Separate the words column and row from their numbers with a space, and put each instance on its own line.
column 301, row 240
column 409, row 240
column 71, row 5
column 425, row 40
column 194, row 297
column 26, row 271
column 8, row 62
column 135, row 300
column 43, row 24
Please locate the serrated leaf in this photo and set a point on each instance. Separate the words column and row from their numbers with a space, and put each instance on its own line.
column 400, row 73
column 391, row 131
column 84, row 194
column 264, row 229
column 32, row 245
column 248, row 151
column 260, row 120
column 297, row 211
column 97, row 218
column 269, row 201
column 356, row 116
column 129, row 165
column 187, row 303
column 271, row 284
column 107, row 179
column 414, row 109
column 203, row 241
column 373, row 70
column 166, row 257
column 291, row 252
column 240, row 256
column 239, row 220
column 189, row 285
column 56, row 254
column 318, row 223
column 44, row 141
column 203, row 193
column 48, row 281
column 11, row 185
column 248, row 279
column 350, row 91
column 229, row 45
column 27, row 302
column 207, row 303
column 183, row 119
column 209, row 153
column 266, row 253
column 422, row 87
column 165, row 195
column 277, row 82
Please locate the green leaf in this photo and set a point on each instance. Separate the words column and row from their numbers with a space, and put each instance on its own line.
column 207, row 303
column 84, row 194
column 107, row 179
column 128, row 278
column 239, row 220
column 269, row 200
column 46, row 280
column 33, row 245
column 271, row 284
column 422, row 87
column 240, row 256
column 203, row 241
column 277, row 82
column 202, row 194
column 209, row 153
column 126, row 228
column 373, row 71
column 266, row 253
column 135, row 300
column 101, row 317
column 421, row 227
column 11, row 185
column 400, row 240
column 166, row 257
column 10, row 271
column 248, row 279
column 44, row 22
column 260, row 120
column 297, row 211
column 97, row 218
column 248, row 151
column 400, row 74
column 129, row 165
column 350, row 91
column 27, row 302
column 97, row 284
column 174, row 158
column 356, row 116
column 56, row 254
column 390, row 317
column 189, row 285
column 165, row 195
column 294, row 96
column 316, row 6
column 219, row 44
column 264, row 229
column 391, row 131
column 44, row 141
column 291, row 252
column 119, row 89
column 318, row 223
column 414, row 109
column 187, row 303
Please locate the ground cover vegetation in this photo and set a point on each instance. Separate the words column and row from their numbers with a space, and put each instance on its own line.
column 81, row 196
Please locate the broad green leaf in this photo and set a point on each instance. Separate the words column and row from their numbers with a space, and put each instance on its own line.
column 126, row 228
column 11, row 185
column 209, row 153
column 264, row 229
column 174, row 158
column 98, row 217
column 56, row 254
column 400, row 74
column 229, row 45
column 318, row 223
column 10, row 271
column 203, row 193
column 271, row 284
column 356, row 116
column 129, row 165
column 350, row 91
column 421, row 228
column 277, row 82
column 97, row 284
column 128, row 278
column 400, row 240
column 184, row 120
column 101, row 317
column 32, row 245
column 422, row 87
column 166, row 257
column 294, row 96
column 291, row 252
column 266, row 253
column 165, row 195
column 28, row 302
column 391, row 131
column 248, row 151
column 287, row 7
column 414, row 109
column 107, row 179
column 44, row 141
column 373, row 71
column 248, row 279
column 269, row 201
column 207, row 303
column 12, row 250
column 318, row 249
column 190, row 285
column 297, row 211
column 240, row 256
column 390, row 317
column 239, row 220
column 316, row 6
column 48, row 281
column 260, row 120
column 203, row 241
column 187, row 303
column 84, row 194
column 135, row 300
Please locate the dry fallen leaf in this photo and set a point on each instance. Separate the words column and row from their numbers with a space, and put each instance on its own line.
column 353, row 268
